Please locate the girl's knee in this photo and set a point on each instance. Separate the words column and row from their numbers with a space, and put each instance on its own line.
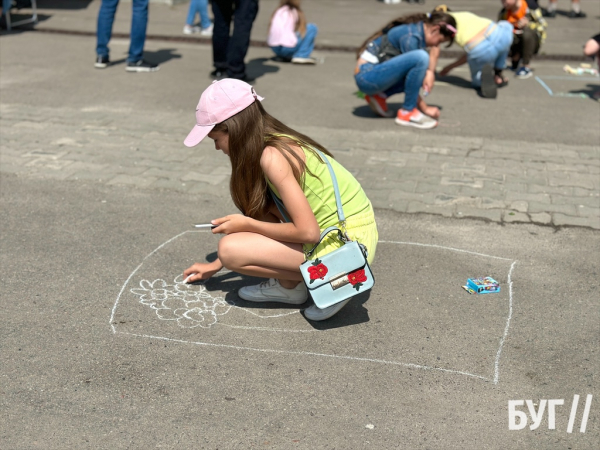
column 227, row 251
column 312, row 27
column 422, row 57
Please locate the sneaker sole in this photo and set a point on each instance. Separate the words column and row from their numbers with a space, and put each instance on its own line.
column 377, row 109
column 287, row 301
column 488, row 85
column 326, row 313
column 141, row 69
column 427, row 126
column 311, row 63
column 100, row 65
column 522, row 77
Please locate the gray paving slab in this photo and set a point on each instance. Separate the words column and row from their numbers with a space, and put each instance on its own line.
column 102, row 124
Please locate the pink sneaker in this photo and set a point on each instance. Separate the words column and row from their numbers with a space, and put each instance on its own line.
column 379, row 105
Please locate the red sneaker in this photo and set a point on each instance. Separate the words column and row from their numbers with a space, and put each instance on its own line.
column 378, row 105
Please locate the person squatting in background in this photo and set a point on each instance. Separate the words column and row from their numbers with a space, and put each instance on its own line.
column 395, row 60
column 199, row 7
column 529, row 29
column 270, row 159
column 486, row 45
column 290, row 37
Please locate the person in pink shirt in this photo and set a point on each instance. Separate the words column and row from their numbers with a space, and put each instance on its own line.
column 290, row 37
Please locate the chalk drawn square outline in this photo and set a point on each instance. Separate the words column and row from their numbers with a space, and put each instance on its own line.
column 495, row 379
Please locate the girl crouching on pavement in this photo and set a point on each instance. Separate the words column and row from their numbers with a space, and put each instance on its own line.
column 486, row 45
column 269, row 160
column 395, row 60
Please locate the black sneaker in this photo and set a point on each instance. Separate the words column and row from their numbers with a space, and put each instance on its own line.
column 102, row 62
column 218, row 74
column 141, row 66
column 549, row 14
column 488, row 84
column 576, row 15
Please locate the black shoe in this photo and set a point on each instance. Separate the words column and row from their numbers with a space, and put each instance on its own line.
column 576, row 15
column 102, row 62
column 141, row 66
column 489, row 89
column 218, row 74
column 549, row 14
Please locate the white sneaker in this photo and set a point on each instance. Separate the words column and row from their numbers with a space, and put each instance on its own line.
column 415, row 118
column 208, row 31
column 316, row 314
column 189, row 29
column 272, row 291
column 297, row 60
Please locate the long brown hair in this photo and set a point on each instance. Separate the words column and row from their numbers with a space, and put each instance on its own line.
column 293, row 4
column 435, row 18
column 250, row 131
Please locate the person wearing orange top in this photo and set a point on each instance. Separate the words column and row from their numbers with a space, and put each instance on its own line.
column 529, row 31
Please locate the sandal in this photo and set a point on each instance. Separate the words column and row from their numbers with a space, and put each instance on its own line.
column 503, row 80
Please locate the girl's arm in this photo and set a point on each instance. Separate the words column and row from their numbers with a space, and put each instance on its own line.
column 434, row 54
column 202, row 271
column 303, row 227
column 459, row 62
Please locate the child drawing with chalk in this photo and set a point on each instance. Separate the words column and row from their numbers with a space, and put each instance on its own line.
column 272, row 161
column 290, row 36
column 395, row 60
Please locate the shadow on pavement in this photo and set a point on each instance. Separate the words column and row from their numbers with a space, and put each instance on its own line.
column 257, row 68
column 63, row 4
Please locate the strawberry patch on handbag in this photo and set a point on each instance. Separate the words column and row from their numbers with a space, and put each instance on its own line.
column 338, row 275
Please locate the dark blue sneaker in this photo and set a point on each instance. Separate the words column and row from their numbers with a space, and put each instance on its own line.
column 102, row 62
column 141, row 66
column 523, row 72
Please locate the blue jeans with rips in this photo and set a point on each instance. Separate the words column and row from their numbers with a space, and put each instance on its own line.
column 402, row 73
column 199, row 7
column 303, row 48
column 139, row 22
column 492, row 50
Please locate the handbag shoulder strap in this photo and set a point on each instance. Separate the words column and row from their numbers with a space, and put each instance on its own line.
column 336, row 189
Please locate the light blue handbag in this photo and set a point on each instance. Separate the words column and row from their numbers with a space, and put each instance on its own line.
column 340, row 274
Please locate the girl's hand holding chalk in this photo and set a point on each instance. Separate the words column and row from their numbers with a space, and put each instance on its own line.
column 205, row 225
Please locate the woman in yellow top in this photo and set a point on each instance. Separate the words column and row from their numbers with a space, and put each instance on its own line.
column 486, row 44
column 267, row 155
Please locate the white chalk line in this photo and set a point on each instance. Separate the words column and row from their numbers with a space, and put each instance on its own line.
column 289, row 352
column 445, row 248
column 496, row 362
column 510, row 311
column 112, row 315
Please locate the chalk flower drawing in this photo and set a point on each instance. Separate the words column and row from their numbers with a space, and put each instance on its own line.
column 190, row 305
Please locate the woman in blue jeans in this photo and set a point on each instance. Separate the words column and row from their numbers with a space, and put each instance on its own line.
column 395, row 60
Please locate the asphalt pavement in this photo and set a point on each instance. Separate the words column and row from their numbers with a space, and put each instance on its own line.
column 104, row 347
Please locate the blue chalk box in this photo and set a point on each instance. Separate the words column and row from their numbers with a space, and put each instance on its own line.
column 486, row 285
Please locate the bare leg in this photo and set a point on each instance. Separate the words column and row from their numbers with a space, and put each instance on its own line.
column 257, row 255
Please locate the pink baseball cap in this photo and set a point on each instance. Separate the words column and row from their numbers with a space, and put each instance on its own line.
column 221, row 100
